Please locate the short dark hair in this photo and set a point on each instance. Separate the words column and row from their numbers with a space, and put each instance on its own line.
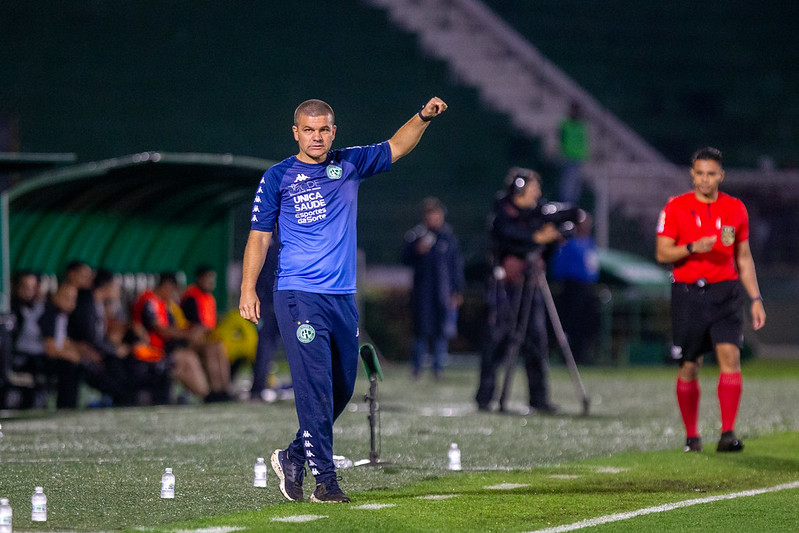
column 102, row 278
column 431, row 203
column 313, row 108
column 708, row 152
column 202, row 270
column 19, row 274
column 167, row 277
column 75, row 264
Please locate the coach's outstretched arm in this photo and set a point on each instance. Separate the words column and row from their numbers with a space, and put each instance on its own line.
column 254, row 256
column 407, row 137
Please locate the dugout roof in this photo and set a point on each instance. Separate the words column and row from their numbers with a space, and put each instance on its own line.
column 144, row 212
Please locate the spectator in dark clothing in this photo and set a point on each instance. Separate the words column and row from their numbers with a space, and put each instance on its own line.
column 434, row 253
column 27, row 347
column 64, row 358
column 267, row 327
column 576, row 266
column 89, row 328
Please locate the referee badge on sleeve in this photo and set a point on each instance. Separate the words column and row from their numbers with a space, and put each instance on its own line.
column 727, row 235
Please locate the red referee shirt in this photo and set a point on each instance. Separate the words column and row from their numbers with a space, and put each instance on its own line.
column 686, row 219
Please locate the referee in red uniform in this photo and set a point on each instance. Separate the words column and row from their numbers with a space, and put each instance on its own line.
column 705, row 235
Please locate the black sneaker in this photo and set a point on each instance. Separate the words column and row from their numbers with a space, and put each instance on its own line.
column 329, row 492
column 729, row 443
column 693, row 444
column 290, row 475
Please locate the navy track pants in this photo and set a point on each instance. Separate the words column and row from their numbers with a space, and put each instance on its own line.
column 320, row 335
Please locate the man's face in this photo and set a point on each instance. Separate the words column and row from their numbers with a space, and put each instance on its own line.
column 314, row 135
column 111, row 292
column 167, row 291
column 207, row 282
column 27, row 288
column 529, row 196
column 82, row 277
column 434, row 219
column 66, row 297
column 707, row 175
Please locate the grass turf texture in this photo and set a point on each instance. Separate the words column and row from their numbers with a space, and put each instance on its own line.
column 101, row 469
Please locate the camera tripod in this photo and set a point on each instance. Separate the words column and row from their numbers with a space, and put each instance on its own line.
column 535, row 278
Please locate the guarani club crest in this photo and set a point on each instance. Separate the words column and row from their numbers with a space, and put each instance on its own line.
column 305, row 333
column 334, row 172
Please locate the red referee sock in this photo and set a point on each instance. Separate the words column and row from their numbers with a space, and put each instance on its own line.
column 729, row 392
column 688, row 399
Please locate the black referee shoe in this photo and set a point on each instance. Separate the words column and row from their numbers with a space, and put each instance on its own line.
column 693, row 444
column 729, row 443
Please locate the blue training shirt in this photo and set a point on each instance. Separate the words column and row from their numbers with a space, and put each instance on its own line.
column 315, row 206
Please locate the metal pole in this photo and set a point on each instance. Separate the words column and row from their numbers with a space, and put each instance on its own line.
column 603, row 209
column 554, row 319
column 5, row 262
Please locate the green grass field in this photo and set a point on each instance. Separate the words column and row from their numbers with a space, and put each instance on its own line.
column 101, row 468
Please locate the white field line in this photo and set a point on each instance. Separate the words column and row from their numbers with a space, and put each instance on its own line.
column 662, row 508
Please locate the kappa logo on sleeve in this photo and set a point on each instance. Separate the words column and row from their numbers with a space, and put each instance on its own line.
column 305, row 333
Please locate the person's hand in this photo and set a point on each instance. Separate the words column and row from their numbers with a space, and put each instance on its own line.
column 456, row 300
column 123, row 350
column 704, row 245
column 250, row 306
column 425, row 243
column 547, row 234
column 758, row 314
column 433, row 108
column 196, row 335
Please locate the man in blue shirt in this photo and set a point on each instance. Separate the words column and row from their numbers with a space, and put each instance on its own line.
column 576, row 266
column 312, row 198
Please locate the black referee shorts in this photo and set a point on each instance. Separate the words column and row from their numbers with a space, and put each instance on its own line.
column 703, row 315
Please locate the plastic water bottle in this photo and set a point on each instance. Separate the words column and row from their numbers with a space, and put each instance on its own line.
column 168, row 484
column 39, row 506
column 454, row 455
column 5, row 516
column 260, row 473
column 341, row 462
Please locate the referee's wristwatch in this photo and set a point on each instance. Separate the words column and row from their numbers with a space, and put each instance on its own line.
column 690, row 248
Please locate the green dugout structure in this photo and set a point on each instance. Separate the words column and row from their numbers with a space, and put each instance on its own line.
column 137, row 214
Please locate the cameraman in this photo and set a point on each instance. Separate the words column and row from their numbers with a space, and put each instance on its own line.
column 520, row 234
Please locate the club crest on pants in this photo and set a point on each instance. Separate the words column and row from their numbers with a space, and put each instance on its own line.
column 305, row 333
